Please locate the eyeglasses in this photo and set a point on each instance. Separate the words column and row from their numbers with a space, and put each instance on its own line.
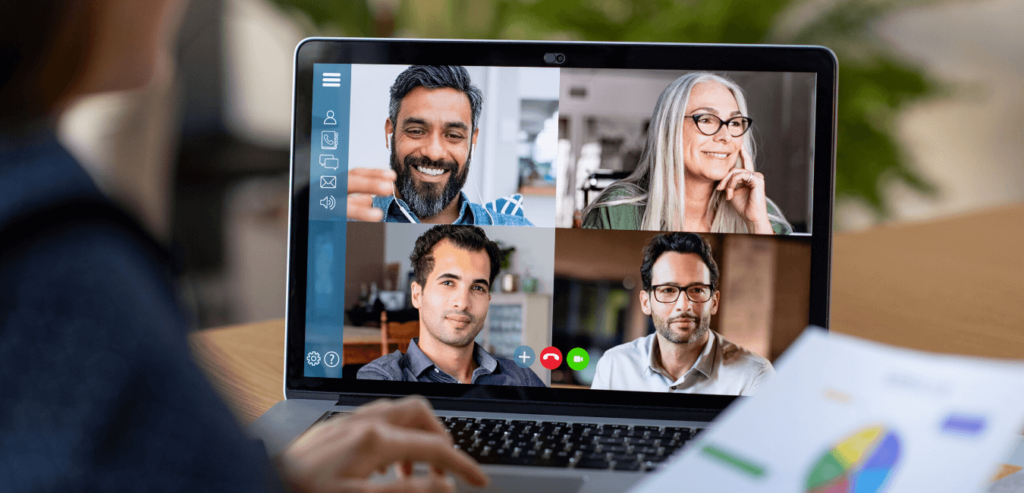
column 709, row 124
column 696, row 293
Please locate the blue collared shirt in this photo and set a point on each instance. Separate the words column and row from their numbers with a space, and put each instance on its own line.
column 469, row 213
column 414, row 366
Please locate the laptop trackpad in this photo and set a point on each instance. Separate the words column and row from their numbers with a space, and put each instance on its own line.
column 513, row 483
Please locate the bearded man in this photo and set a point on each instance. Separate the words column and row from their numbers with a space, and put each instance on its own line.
column 431, row 130
column 680, row 279
column 454, row 268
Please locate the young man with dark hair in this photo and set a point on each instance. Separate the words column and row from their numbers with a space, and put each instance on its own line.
column 454, row 267
column 680, row 293
column 431, row 131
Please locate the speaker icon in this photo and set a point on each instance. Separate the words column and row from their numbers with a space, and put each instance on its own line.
column 328, row 202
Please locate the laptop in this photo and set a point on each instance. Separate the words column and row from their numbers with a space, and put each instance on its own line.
column 533, row 270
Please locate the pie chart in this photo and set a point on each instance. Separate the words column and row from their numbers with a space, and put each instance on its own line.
column 860, row 463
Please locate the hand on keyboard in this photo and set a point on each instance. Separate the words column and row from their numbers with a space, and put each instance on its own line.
column 340, row 454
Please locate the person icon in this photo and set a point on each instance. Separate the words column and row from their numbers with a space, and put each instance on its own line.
column 330, row 118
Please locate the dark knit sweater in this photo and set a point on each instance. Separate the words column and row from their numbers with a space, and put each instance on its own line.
column 98, row 391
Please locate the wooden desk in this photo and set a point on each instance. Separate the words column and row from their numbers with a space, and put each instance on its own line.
column 246, row 362
column 952, row 286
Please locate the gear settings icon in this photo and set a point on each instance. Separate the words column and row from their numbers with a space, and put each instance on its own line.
column 313, row 358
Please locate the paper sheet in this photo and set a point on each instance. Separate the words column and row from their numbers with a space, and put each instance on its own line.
column 847, row 415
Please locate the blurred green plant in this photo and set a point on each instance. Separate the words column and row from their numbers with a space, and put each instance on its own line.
column 875, row 85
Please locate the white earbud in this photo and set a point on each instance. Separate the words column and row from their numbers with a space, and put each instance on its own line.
column 387, row 141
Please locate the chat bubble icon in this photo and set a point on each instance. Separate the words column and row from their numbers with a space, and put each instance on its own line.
column 328, row 161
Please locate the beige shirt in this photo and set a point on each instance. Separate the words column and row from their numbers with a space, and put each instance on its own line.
column 722, row 368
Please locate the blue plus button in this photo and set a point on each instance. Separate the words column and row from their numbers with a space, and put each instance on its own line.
column 524, row 356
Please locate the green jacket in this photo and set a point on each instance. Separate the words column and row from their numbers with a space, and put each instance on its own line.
column 629, row 216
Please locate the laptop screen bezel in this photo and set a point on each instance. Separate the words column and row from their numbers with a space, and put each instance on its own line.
column 818, row 60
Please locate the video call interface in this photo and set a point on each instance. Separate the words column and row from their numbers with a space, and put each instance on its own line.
column 610, row 229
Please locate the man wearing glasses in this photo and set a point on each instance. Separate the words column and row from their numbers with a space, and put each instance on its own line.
column 680, row 278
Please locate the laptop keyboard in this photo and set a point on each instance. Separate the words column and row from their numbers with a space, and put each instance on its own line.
column 560, row 444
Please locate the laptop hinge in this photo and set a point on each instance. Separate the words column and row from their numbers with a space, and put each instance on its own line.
column 574, row 410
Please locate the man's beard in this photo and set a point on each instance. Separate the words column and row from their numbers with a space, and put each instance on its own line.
column 454, row 338
column 664, row 328
column 428, row 199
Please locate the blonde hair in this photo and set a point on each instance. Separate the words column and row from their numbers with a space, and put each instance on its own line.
column 657, row 182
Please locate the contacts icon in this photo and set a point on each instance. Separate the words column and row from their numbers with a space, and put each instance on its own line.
column 328, row 182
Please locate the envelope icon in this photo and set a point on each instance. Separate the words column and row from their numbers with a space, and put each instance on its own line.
column 328, row 182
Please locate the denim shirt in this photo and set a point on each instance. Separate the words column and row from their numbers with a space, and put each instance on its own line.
column 469, row 213
column 414, row 366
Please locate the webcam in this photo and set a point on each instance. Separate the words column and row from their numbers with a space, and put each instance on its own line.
column 555, row 58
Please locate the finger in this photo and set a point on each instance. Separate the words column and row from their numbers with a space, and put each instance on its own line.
column 371, row 181
column 417, row 484
column 743, row 179
column 385, row 174
column 407, row 412
column 391, row 444
column 360, row 200
column 727, row 182
column 752, row 180
column 734, row 181
column 360, row 208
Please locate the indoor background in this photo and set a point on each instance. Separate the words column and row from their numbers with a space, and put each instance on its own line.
column 930, row 98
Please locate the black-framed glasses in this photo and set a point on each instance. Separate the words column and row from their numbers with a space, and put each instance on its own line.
column 709, row 124
column 669, row 293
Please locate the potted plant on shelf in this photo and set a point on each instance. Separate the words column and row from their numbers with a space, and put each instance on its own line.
column 507, row 281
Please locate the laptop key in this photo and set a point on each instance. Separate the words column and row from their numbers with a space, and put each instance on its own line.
column 558, row 459
column 643, row 442
column 633, row 465
column 620, row 457
column 650, row 465
column 592, row 464
column 646, row 428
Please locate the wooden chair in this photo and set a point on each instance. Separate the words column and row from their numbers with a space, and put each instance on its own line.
column 396, row 333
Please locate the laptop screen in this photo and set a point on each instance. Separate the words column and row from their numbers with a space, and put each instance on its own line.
column 566, row 228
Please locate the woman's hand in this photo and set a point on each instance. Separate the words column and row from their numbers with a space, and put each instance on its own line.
column 341, row 454
column 744, row 189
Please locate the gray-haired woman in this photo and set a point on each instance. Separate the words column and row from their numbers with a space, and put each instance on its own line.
column 696, row 172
